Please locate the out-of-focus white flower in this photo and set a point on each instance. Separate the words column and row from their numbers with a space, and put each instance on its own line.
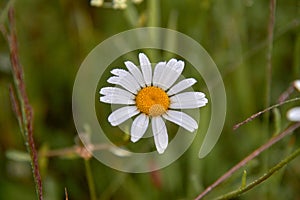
column 137, row 1
column 96, row 3
column 296, row 84
column 294, row 114
column 152, row 96
column 119, row 4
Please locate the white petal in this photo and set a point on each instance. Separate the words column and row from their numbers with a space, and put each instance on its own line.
column 187, row 100
column 188, row 96
column 165, row 72
column 119, row 72
column 297, row 84
column 116, row 91
column 181, row 119
column 146, row 68
column 158, row 72
column 127, row 82
column 116, row 99
column 123, row 74
column 122, row 114
column 136, row 73
column 294, row 114
column 139, row 127
column 160, row 134
column 172, row 75
column 182, row 85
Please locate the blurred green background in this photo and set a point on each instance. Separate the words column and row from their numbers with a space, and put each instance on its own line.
column 54, row 38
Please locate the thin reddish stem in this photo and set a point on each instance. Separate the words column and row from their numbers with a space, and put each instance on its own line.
column 21, row 106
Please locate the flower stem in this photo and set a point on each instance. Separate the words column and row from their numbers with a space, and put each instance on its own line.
column 90, row 179
column 154, row 13
column 264, row 177
column 131, row 15
column 269, row 51
column 272, row 6
column 154, row 20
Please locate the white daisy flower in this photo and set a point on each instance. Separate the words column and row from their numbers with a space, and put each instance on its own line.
column 294, row 114
column 296, row 84
column 152, row 96
column 119, row 4
column 96, row 3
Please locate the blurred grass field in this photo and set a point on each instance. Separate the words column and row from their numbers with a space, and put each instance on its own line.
column 54, row 38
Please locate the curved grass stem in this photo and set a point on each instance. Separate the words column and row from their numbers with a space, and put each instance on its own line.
column 90, row 179
column 264, row 177
column 254, row 154
column 263, row 111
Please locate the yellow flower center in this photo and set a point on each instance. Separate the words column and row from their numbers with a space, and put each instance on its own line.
column 152, row 101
